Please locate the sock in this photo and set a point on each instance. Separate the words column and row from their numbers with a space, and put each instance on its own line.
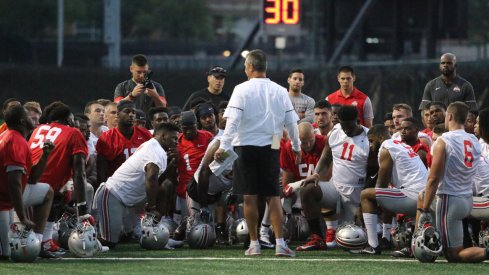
column 264, row 230
column 281, row 242
column 332, row 224
column 48, row 231
column 254, row 243
column 39, row 236
column 314, row 226
column 386, row 231
column 371, row 226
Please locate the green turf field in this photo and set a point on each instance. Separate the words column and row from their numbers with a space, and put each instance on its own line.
column 131, row 259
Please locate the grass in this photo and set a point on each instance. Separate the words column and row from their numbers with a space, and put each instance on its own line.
column 131, row 259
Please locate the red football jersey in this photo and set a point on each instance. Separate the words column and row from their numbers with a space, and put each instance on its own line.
column 68, row 141
column 357, row 99
column 14, row 151
column 190, row 153
column 421, row 146
column 116, row 148
column 308, row 160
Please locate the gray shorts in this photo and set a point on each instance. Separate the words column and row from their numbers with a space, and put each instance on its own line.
column 5, row 221
column 450, row 211
column 396, row 201
column 480, row 208
column 345, row 202
column 110, row 214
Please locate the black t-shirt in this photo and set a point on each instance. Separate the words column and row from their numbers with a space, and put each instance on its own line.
column 207, row 96
column 143, row 101
column 459, row 90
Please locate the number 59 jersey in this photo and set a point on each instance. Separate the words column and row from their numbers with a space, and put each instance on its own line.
column 350, row 156
column 68, row 141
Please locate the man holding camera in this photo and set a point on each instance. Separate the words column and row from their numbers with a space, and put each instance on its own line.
column 143, row 91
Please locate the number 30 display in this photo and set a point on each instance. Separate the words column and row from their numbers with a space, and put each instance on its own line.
column 281, row 12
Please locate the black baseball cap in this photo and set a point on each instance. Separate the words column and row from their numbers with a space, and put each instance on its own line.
column 188, row 118
column 140, row 114
column 217, row 71
column 205, row 109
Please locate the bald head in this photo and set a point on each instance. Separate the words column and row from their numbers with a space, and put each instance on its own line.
column 307, row 136
column 449, row 56
column 448, row 63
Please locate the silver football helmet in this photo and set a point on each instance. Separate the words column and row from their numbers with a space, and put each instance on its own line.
column 351, row 237
column 238, row 232
column 154, row 236
column 402, row 234
column 426, row 244
column 66, row 224
column 170, row 225
column 24, row 245
column 201, row 236
column 484, row 238
column 83, row 241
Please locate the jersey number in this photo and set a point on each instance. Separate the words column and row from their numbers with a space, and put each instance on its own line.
column 45, row 133
column 469, row 157
column 187, row 161
column 129, row 151
column 347, row 147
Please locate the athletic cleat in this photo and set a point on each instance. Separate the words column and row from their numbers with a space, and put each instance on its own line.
column 52, row 246
column 315, row 243
column 284, row 251
column 368, row 251
column 265, row 243
column 331, row 238
column 385, row 244
column 403, row 253
column 253, row 251
column 222, row 238
column 46, row 254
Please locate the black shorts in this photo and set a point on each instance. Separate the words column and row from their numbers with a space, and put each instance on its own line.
column 256, row 171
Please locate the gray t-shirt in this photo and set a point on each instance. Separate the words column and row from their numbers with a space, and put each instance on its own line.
column 304, row 104
column 459, row 90
column 143, row 102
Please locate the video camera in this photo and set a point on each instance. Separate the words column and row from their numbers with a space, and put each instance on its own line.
column 147, row 80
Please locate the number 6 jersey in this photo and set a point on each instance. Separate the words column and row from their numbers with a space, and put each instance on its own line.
column 350, row 156
column 68, row 141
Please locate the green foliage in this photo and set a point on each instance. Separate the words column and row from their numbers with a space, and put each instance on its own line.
column 478, row 25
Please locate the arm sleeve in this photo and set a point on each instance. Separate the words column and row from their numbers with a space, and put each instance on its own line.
column 119, row 92
column 426, row 96
column 294, row 135
column 470, row 97
column 233, row 114
column 368, row 111
column 230, row 132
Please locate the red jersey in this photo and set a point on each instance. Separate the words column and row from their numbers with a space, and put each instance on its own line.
column 308, row 160
column 421, row 146
column 3, row 127
column 190, row 153
column 14, row 151
column 68, row 141
column 116, row 148
column 357, row 99
column 428, row 132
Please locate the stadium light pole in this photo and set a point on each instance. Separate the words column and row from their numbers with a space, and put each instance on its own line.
column 61, row 19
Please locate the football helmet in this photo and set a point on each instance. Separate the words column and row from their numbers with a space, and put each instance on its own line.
column 154, row 236
column 83, row 241
column 351, row 236
column 426, row 244
column 484, row 238
column 301, row 231
column 201, row 236
column 402, row 234
column 24, row 245
column 170, row 225
column 238, row 232
column 66, row 224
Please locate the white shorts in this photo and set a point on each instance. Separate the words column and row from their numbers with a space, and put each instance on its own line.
column 345, row 200
column 396, row 201
column 480, row 208
column 34, row 194
column 450, row 211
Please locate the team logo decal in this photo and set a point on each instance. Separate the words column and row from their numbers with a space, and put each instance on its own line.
column 456, row 89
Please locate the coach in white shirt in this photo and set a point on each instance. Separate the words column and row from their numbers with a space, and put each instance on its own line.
column 256, row 115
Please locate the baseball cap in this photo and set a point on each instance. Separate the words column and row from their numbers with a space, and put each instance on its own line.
column 174, row 110
column 188, row 118
column 140, row 115
column 123, row 104
column 204, row 109
column 217, row 71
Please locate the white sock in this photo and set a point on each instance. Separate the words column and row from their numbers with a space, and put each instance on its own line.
column 254, row 243
column 39, row 236
column 281, row 242
column 332, row 224
column 371, row 226
column 48, row 231
column 386, row 231
column 264, row 229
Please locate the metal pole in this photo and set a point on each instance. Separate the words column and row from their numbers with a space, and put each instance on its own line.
column 61, row 20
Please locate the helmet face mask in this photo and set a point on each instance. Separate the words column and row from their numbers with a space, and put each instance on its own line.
column 24, row 245
column 351, row 236
column 66, row 224
column 484, row 238
column 238, row 232
column 402, row 234
column 154, row 236
column 426, row 244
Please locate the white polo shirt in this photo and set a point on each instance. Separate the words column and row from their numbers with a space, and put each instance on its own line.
column 262, row 108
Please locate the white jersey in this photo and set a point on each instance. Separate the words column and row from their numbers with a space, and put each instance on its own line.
column 350, row 156
column 217, row 183
column 481, row 180
column 408, row 171
column 128, row 181
column 484, row 148
column 462, row 158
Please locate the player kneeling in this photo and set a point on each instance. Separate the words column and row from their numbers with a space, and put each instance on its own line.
column 136, row 181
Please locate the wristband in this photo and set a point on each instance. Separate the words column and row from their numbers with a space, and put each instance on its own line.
column 131, row 96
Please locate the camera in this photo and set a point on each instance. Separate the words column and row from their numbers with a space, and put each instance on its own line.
column 147, row 80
